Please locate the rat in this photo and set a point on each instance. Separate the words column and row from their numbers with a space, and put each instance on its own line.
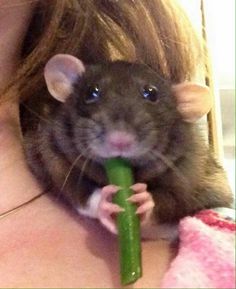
column 127, row 110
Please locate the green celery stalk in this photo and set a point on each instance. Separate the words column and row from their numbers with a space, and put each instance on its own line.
column 119, row 173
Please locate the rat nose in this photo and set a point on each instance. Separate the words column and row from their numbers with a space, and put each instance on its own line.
column 121, row 141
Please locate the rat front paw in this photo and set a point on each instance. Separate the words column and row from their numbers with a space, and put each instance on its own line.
column 144, row 201
column 107, row 210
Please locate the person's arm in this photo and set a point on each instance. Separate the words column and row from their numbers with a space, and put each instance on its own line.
column 193, row 100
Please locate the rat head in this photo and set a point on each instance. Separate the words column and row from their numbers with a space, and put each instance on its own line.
column 117, row 109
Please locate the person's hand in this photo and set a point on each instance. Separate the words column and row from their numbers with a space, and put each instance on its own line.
column 193, row 100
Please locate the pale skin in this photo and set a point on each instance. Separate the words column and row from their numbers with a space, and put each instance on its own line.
column 44, row 244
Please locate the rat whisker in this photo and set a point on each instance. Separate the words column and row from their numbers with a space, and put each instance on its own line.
column 86, row 138
column 172, row 166
column 70, row 170
column 41, row 118
column 87, row 160
column 162, row 126
column 37, row 114
column 83, row 125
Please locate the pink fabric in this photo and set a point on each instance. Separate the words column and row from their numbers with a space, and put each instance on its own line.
column 206, row 256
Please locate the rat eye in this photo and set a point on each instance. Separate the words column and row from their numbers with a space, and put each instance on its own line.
column 93, row 94
column 150, row 93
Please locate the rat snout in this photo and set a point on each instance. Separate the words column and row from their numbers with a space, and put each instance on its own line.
column 120, row 141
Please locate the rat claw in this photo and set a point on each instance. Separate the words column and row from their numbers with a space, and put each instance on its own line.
column 148, row 206
column 140, row 197
column 144, row 201
column 108, row 191
column 139, row 187
column 145, row 212
column 110, row 208
column 109, row 224
column 106, row 208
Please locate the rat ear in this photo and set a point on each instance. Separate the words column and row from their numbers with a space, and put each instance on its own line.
column 60, row 73
column 193, row 100
column 186, row 87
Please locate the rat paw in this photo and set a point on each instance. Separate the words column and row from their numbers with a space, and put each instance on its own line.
column 107, row 210
column 144, row 201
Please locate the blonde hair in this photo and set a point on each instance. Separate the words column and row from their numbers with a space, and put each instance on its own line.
column 156, row 32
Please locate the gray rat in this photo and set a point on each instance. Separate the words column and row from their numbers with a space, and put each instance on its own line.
column 128, row 110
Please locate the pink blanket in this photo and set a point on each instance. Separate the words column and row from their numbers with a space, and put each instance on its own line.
column 206, row 257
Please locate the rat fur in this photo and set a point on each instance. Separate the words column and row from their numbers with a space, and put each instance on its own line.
column 111, row 101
